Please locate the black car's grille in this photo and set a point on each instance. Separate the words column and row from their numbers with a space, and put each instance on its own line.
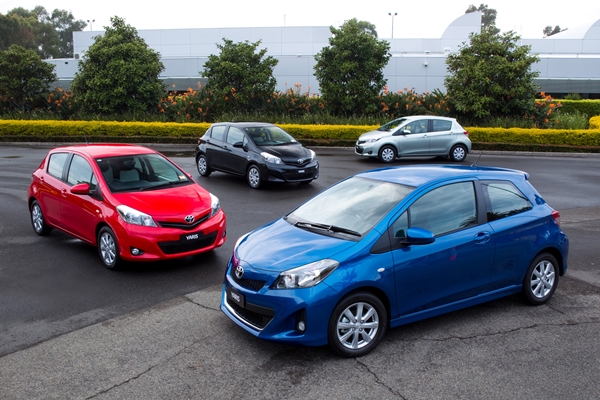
column 182, row 225
column 301, row 162
column 253, row 318
column 176, row 247
column 251, row 284
column 295, row 176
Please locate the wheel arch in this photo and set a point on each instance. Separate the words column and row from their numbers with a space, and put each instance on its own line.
column 556, row 254
column 375, row 291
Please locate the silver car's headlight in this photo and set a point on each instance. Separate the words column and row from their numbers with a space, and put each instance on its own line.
column 372, row 140
column 215, row 205
column 307, row 275
column 135, row 217
column 271, row 158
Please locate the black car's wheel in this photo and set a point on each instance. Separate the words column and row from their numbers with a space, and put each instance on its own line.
column 253, row 176
column 387, row 154
column 37, row 220
column 541, row 279
column 458, row 153
column 108, row 248
column 357, row 325
column 202, row 165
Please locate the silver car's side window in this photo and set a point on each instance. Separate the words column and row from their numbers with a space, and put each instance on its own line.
column 419, row 126
column 440, row 125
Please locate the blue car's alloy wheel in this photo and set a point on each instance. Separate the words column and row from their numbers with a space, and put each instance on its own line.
column 357, row 324
column 541, row 279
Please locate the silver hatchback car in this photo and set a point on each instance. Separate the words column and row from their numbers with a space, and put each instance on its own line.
column 416, row 136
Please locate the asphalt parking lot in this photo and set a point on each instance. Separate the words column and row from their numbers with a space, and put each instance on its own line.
column 184, row 347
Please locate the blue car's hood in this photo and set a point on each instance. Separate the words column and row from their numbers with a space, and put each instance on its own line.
column 280, row 246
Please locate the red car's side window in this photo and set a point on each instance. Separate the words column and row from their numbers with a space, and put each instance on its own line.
column 56, row 164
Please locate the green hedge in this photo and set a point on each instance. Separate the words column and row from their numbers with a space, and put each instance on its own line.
column 582, row 140
column 588, row 107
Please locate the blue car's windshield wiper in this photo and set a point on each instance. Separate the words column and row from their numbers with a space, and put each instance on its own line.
column 329, row 228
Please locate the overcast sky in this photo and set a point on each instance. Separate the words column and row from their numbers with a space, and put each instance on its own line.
column 415, row 19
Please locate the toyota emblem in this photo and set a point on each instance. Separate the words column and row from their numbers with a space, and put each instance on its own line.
column 239, row 271
column 189, row 219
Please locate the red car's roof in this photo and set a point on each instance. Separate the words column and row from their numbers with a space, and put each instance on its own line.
column 107, row 150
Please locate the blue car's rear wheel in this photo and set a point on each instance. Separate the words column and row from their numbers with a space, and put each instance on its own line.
column 541, row 279
column 357, row 325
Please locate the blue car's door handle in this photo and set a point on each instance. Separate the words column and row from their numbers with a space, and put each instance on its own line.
column 482, row 237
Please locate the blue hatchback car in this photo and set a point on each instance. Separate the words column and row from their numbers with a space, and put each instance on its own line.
column 392, row 246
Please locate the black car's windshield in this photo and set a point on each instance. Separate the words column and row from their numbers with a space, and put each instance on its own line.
column 140, row 172
column 270, row 136
column 352, row 207
column 392, row 124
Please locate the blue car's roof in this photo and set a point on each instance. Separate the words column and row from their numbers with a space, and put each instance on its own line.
column 419, row 175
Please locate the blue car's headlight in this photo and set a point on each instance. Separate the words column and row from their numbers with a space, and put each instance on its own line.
column 307, row 275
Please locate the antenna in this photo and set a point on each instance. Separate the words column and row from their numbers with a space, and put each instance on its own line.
column 476, row 161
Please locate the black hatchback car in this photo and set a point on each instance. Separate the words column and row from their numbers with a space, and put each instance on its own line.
column 258, row 151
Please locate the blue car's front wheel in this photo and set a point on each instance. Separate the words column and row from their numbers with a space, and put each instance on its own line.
column 357, row 324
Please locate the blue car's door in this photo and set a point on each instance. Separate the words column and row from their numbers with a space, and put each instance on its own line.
column 457, row 265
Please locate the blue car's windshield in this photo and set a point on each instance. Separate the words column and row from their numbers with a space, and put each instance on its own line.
column 356, row 204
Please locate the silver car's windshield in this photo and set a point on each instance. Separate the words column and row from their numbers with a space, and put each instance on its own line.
column 351, row 207
column 140, row 172
column 392, row 125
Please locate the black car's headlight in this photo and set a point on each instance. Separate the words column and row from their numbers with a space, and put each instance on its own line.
column 313, row 155
column 306, row 276
column 271, row 158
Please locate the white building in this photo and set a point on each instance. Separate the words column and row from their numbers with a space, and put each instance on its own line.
column 569, row 61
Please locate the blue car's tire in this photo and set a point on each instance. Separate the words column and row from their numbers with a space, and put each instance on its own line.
column 357, row 324
column 541, row 279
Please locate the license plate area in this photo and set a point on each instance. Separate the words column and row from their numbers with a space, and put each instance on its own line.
column 191, row 237
column 236, row 297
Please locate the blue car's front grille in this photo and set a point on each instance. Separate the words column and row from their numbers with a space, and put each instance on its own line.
column 250, row 284
column 255, row 319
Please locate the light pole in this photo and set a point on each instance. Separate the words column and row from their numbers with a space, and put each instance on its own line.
column 392, row 15
column 90, row 21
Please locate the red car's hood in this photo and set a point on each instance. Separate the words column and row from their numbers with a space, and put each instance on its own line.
column 169, row 203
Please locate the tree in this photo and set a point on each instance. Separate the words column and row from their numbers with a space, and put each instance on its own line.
column 549, row 31
column 50, row 35
column 241, row 74
column 492, row 77
column 350, row 70
column 24, row 79
column 488, row 17
column 119, row 73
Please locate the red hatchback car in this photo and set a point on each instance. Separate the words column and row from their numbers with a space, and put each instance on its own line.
column 130, row 201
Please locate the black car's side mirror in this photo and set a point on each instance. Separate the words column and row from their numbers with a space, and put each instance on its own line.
column 239, row 145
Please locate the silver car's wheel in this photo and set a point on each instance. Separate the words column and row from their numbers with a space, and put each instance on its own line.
column 458, row 153
column 254, row 177
column 387, row 154
column 108, row 248
column 541, row 279
column 202, row 165
column 357, row 324
column 37, row 220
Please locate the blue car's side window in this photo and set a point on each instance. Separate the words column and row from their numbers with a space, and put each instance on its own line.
column 445, row 209
column 503, row 199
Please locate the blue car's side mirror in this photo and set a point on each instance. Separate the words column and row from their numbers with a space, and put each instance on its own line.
column 418, row 236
